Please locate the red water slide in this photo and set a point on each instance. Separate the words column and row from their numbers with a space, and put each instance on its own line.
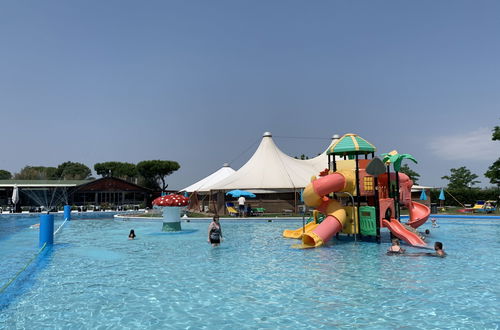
column 419, row 213
column 399, row 230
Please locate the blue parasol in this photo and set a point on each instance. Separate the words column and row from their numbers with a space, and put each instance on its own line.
column 441, row 195
column 238, row 193
column 423, row 196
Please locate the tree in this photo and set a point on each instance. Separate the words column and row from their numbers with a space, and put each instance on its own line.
column 121, row 170
column 73, row 171
column 155, row 171
column 5, row 175
column 493, row 173
column 460, row 178
column 36, row 173
column 414, row 176
column 496, row 133
column 302, row 157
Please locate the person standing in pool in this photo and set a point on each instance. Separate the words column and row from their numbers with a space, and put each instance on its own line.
column 131, row 235
column 215, row 231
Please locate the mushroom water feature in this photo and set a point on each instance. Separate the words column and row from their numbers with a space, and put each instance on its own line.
column 171, row 205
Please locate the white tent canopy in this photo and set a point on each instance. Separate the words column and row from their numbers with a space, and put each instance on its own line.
column 269, row 169
column 217, row 176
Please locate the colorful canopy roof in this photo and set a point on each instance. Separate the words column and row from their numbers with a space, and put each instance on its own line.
column 351, row 144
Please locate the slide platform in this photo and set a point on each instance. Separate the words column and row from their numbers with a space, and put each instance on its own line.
column 404, row 234
column 297, row 233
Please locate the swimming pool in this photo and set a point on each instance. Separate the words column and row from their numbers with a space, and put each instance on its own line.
column 94, row 277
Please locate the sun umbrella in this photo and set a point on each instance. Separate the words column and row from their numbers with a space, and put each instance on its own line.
column 423, row 196
column 239, row 193
column 441, row 195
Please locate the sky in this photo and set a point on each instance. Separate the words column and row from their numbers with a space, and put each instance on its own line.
column 199, row 82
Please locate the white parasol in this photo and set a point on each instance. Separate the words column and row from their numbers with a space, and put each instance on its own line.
column 15, row 195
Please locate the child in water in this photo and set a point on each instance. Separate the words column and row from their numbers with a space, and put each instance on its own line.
column 395, row 248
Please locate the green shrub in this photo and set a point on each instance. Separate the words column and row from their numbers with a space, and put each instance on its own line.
column 465, row 196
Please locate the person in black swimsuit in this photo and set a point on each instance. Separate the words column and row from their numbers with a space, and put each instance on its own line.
column 214, row 231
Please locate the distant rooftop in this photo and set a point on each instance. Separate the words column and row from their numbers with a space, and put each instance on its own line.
column 43, row 183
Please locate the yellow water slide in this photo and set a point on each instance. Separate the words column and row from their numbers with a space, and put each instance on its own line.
column 297, row 233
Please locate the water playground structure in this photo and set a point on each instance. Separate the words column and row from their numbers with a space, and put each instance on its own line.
column 359, row 195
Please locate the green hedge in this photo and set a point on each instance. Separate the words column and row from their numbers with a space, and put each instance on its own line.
column 466, row 196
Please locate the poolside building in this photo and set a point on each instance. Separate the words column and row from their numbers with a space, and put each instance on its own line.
column 111, row 192
column 40, row 195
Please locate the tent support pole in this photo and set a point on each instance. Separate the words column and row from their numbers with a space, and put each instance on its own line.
column 295, row 200
column 209, row 199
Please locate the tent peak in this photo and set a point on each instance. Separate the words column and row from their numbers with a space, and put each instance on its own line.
column 225, row 165
column 267, row 134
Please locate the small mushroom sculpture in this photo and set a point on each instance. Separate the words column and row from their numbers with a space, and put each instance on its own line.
column 171, row 210
column 171, row 200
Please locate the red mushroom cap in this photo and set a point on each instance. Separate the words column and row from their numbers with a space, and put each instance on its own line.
column 171, row 200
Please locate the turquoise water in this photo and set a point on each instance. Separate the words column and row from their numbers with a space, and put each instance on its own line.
column 94, row 277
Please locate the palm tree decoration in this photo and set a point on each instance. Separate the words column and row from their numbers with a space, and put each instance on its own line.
column 396, row 159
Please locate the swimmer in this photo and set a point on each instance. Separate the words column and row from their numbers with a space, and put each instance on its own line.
column 395, row 248
column 438, row 247
column 35, row 226
column 131, row 235
column 434, row 223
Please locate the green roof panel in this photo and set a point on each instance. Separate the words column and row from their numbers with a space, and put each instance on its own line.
column 351, row 144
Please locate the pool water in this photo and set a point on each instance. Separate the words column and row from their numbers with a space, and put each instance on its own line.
column 94, row 277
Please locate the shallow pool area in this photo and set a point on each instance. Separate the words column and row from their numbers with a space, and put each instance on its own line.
column 94, row 277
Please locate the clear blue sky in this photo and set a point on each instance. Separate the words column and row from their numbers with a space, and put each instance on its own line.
column 200, row 81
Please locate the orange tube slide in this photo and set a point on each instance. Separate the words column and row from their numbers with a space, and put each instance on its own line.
column 315, row 195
